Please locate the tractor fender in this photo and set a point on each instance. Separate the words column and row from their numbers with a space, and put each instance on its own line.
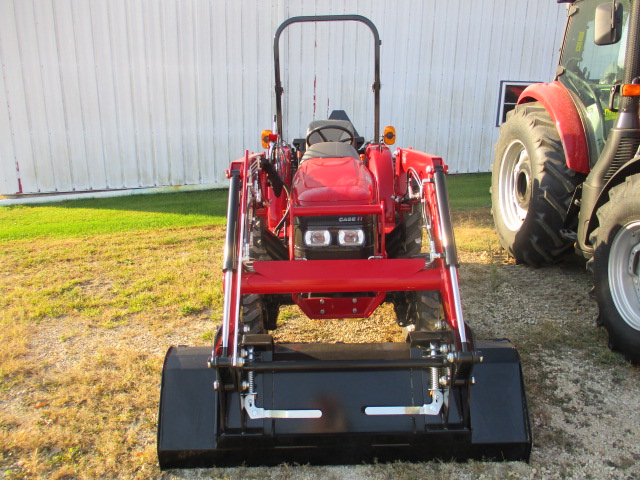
column 555, row 98
column 381, row 167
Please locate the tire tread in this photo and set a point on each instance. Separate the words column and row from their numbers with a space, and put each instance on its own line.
column 538, row 241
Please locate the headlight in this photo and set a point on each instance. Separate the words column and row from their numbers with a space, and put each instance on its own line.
column 317, row 238
column 351, row 238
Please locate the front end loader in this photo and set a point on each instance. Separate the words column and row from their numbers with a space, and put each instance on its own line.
column 337, row 226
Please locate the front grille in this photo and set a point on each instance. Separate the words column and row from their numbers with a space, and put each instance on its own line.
column 333, row 224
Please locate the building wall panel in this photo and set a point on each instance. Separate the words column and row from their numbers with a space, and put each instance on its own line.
column 8, row 175
column 36, row 171
column 78, row 46
column 139, row 93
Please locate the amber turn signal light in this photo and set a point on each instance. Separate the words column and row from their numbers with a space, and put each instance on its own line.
column 630, row 90
column 266, row 134
column 389, row 135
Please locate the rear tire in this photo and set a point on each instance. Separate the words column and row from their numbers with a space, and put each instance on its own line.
column 531, row 187
column 616, row 267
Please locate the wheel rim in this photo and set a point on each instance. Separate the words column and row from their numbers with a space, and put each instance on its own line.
column 515, row 185
column 624, row 273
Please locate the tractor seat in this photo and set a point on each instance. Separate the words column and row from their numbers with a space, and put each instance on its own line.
column 332, row 135
column 330, row 150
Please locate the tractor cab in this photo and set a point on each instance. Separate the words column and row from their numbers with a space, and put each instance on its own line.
column 592, row 68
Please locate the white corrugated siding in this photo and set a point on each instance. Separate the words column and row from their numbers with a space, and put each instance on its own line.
column 131, row 93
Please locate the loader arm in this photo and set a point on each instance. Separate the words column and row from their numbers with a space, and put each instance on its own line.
column 428, row 172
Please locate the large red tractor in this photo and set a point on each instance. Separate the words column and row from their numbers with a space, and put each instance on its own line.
column 335, row 225
column 567, row 166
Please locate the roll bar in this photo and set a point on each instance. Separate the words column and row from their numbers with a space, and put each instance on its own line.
column 329, row 18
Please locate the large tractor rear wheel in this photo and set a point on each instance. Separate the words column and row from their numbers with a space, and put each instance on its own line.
column 531, row 187
column 616, row 267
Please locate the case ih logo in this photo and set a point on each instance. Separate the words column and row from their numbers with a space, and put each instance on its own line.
column 349, row 219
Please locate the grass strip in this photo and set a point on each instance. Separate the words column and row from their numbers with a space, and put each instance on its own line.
column 86, row 218
column 469, row 191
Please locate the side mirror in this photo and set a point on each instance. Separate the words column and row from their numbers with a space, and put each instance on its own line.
column 608, row 23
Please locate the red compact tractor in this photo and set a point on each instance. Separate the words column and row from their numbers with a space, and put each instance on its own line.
column 335, row 225
column 567, row 165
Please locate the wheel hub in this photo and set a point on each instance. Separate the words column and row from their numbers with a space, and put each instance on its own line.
column 624, row 273
column 515, row 185
column 522, row 183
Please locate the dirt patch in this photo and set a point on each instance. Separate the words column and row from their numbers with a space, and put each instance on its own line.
column 583, row 398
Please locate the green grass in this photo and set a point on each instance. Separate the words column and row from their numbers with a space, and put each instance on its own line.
column 469, row 191
column 85, row 218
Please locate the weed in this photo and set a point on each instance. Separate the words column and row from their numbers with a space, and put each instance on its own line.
column 67, row 335
column 207, row 336
column 15, row 474
column 117, row 321
column 69, row 456
column 494, row 278
column 285, row 315
column 187, row 310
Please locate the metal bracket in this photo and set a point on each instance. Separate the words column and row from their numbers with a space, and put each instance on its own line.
column 634, row 267
column 256, row 412
column 615, row 88
column 432, row 408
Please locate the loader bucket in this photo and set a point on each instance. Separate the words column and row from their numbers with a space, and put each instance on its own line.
column 340, row 404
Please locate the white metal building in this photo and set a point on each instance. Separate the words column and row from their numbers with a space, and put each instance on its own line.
column 121, row 94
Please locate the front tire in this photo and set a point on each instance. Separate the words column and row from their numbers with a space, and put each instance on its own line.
column 616, row 267
column 422, row 309
column 531, row 187
column 254, row 314
column 259, row 312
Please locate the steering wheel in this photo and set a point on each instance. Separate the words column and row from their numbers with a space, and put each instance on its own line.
column 319, row 129
column 573, row 65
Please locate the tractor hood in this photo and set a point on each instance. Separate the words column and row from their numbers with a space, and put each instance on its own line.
column 333, row 180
